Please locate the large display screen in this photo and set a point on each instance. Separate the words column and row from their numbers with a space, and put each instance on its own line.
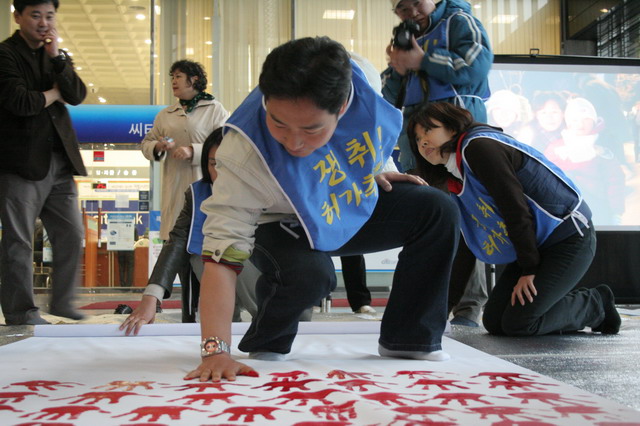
column 584, row 115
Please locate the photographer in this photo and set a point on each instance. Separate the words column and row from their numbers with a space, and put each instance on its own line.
column 441, row 53
column 448, row 60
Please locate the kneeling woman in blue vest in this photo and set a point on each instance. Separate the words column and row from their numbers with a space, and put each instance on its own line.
column 518, row 209
column 181, row 254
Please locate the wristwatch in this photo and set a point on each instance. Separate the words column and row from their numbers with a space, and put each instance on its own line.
column 213, row 346
column 60, row 58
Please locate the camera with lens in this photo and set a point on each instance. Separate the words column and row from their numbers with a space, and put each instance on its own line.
column 403, row 32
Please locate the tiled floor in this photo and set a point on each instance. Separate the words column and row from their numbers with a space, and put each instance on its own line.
column 604, row 365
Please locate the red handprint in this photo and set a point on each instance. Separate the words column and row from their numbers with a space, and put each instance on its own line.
column 207, row 398
column 304, row 397
column 341, row 412
column 128, row 386
column 154, row 413
column 460, row 397
column 55, row 413
column 442, row 384
column 249, row 413
column 293, row 375
column 546, row 397
column 16, row 396
column 33, row 385
column 386, row 398
column 341, row 374
column 95, row 397
column 360, row 384
column 287, row 385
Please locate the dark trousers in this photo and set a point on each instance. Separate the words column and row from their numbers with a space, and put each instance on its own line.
column 55, row 200
column 354, row 274
column 422, row 220
column 556, row 308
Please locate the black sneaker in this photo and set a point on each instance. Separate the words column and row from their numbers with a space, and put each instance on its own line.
column 123, row 309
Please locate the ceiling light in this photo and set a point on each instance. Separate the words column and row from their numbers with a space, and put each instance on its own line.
column 147, row 41
column 604, row 10
column 102, row 100
column 189, row 50
column 90, row 84
column 60, row 40
column 207, row 18
column 338, row 14
column 504, row 19
column 140, row 17
column 208, row 43
column 79, row 68
column 158, row 10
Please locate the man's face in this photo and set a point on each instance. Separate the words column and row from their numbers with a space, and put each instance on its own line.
column 35, row 23
column 417, row 10
column 299, row 125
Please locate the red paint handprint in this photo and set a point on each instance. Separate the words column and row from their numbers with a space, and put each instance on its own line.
column 17, row 396
column 501, row 412
column 360, row 384
column 341, row 374
column 412, row 374
column 208, row 398
column 442, row 384
column 386, row 398
column 545, row 397
column 128, row 386
column 154, row 413
column 95, row 397
column 304, row 397
column 515, row 384
column 293, row 375
column 460, row 397
column 249, row 413
column 424, row 412
column 33, row 385
column 503, row 376
column 55, row 413
column 286, row 385
column 344, row 411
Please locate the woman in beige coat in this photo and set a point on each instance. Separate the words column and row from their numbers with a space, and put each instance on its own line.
column 177, row 136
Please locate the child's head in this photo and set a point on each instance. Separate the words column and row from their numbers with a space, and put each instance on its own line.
column 549, row 109
column 208, row 159
column 504, row 108
column 580, row 116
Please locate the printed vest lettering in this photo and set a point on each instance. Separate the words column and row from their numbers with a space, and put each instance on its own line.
column 332, row 190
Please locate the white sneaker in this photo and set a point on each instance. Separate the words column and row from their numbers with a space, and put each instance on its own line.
column 365, row 309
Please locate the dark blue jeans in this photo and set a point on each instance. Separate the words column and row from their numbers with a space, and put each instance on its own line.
column 557, row 307
column 421, row 219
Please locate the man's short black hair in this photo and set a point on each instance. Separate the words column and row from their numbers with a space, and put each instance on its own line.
column 191, row 69
column 19, row 5
column 318, row 69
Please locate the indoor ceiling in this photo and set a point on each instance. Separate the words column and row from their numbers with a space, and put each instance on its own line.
column 110, row 47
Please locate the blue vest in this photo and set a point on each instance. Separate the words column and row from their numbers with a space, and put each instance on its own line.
column 332, row 190
column 438, row 37
column 552, row 198
column 200, row 191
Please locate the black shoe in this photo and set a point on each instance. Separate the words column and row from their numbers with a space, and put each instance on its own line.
column 611, row 323
column 34, row 320
column 123, row 309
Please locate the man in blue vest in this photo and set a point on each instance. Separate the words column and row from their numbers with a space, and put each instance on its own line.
column 305, row 173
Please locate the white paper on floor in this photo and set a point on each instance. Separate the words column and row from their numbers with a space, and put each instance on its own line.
column 328, row 378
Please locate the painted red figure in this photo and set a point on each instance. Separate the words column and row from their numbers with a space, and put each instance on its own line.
column 344, row 411
column 208, row 398
column 154, row 413
column 286, row 385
